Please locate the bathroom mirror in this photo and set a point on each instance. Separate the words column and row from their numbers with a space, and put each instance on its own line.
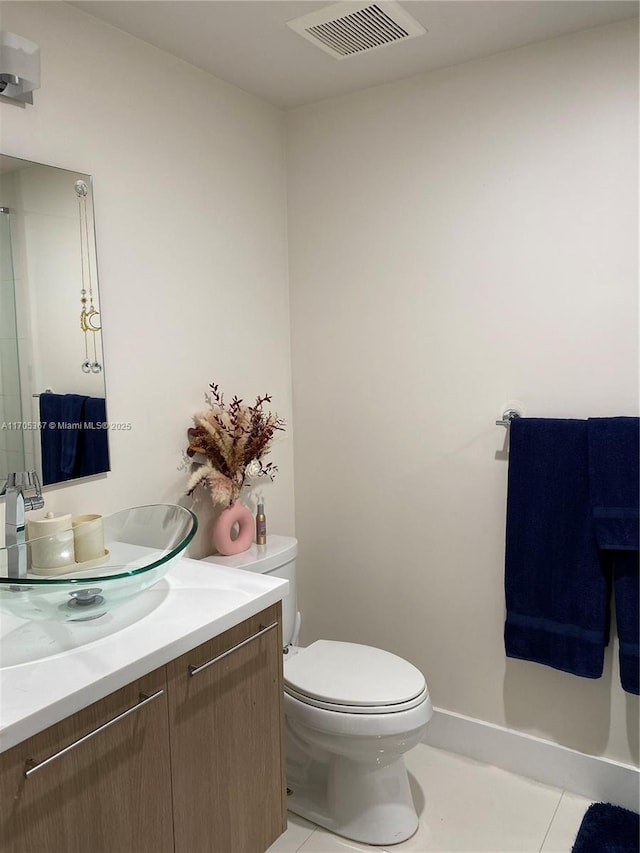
column 52, row 386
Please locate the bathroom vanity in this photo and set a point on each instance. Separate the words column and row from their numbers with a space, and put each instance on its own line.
column 163, row 735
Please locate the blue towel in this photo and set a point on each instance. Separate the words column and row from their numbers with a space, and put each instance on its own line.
column 614, row 481
column 627, row 595
column 61, row 416
column 557, row 590
column 81, row 447
column 51, row 437
column 95, row 446
column 72, row 407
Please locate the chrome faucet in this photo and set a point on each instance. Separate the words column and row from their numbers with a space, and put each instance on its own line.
column 16, row 505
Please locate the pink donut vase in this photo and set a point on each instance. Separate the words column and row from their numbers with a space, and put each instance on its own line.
column 223, row 542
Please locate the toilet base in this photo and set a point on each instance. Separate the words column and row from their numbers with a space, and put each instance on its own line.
column 359, row 800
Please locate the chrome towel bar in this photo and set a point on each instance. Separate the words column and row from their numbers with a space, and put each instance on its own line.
column 507, row 417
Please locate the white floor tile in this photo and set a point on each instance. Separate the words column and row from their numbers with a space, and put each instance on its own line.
column 474, row 807
column 324, row 842
column 566, row 823
column 298, row 831
column 469, row 807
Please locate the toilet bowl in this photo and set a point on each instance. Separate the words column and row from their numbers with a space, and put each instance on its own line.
column 351, row 713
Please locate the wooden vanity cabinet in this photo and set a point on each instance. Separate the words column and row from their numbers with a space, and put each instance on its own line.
column 189, row 759
column 227, row 752
column 108, row 793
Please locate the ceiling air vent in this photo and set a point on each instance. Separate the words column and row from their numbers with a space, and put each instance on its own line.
column 346, row 29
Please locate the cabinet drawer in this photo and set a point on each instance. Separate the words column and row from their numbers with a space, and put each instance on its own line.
column 98, row 781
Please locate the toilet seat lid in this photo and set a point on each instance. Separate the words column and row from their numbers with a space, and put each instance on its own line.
column 353, row 675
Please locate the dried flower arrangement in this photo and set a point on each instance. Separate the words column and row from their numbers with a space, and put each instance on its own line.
column 234, row 439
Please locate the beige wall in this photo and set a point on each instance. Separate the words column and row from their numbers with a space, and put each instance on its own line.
column 191, row 220
column 458, row 240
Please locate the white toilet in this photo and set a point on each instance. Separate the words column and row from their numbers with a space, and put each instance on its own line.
column 351, row 712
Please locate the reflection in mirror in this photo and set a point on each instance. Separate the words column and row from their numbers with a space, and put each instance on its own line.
column 52, row 389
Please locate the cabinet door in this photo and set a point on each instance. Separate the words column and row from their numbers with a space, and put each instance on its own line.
column 226, row 733
column 107, row 786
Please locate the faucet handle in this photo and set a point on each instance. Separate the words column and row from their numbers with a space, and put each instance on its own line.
column 32, row 481
column 22, row 481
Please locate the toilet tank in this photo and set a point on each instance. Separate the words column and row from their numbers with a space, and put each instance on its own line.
column 276, row 558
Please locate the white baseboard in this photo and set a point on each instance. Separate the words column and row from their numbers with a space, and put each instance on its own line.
column 598, row 779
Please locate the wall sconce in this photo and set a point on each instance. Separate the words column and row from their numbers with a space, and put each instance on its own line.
column 19, row 67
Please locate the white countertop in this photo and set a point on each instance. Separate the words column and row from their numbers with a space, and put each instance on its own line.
column 49, row 670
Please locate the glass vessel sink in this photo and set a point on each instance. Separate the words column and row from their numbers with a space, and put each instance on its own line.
column 140, row 546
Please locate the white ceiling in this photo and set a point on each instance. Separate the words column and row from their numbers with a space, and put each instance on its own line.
column 247, row 42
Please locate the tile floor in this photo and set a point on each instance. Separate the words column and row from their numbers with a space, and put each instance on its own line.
column 464, row 806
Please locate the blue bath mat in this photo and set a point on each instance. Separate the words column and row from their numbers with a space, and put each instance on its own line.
column 608, row 829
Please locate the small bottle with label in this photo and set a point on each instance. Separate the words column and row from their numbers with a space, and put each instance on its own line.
column 261, row 526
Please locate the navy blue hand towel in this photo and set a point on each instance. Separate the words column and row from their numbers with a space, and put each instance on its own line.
column 555, row 585
column 614, row 482
column 72, row 407
column 60, row 415
column 51, row 414
column 78, row 449
column 627, row 594
column 95, row 446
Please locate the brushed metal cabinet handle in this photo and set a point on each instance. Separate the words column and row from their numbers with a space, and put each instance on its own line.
column 194, row 670
column 38, row 765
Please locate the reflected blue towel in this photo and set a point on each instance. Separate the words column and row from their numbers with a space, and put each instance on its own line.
column 614, row 481
column 556, row 589
column 72, row 451
column 95, row 445
column 60, row 444
column 70, row 445
column 50, row 438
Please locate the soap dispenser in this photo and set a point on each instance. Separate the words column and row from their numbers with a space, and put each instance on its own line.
column 261, row 525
